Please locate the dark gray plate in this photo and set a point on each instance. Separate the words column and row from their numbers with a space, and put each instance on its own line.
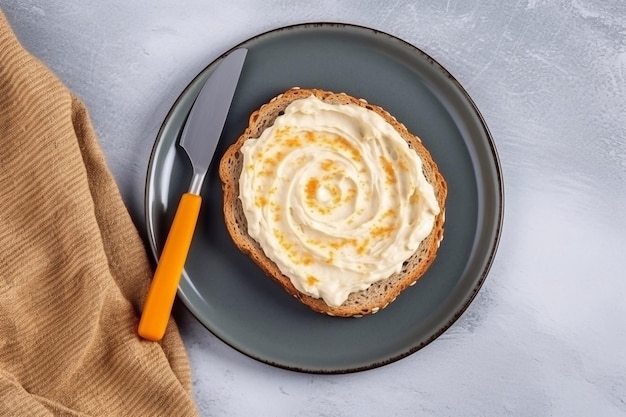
column 227, row 292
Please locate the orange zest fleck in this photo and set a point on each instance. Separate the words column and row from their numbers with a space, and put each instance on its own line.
column 293, row 142
column 282, row 240
column 327, row 165
column 390, row 172
column 350, row 195
column 311, row 188
column 381, row 231
column 311, row 280
column 362, row 248
column 338, row 244
column 403, row 165
column 344, row 144
column 310, row 136
column 389, row 213
column 331, row 258
column 306, row 259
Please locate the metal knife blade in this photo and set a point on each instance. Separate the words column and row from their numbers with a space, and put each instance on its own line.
column 208, row 114
column 199, row 140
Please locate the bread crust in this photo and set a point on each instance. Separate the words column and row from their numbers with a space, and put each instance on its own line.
column 380, row 294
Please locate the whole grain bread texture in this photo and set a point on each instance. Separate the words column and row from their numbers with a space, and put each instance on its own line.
column 380, row 294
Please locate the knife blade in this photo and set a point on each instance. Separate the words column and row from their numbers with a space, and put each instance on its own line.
column 199, row 140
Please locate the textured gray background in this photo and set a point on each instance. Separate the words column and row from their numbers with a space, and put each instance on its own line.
column 547, row 332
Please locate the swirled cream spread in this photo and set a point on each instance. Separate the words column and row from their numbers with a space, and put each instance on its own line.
column 335, row 197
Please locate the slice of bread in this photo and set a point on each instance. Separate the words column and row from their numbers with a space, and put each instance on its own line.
column 379, row 294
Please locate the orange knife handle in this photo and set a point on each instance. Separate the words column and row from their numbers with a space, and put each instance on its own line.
column 158, row 305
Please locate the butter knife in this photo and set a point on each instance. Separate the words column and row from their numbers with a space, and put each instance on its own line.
column 199, row 140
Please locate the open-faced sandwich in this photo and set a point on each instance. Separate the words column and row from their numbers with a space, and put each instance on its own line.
column 334, row 199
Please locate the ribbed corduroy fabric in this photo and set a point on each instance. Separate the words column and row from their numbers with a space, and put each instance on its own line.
column 73, row 269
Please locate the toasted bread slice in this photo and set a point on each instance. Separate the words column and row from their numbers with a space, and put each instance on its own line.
column 379, row 294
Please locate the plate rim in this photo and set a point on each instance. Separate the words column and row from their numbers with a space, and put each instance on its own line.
column 494, row 157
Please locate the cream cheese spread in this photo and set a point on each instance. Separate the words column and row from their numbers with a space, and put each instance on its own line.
column 335, row 197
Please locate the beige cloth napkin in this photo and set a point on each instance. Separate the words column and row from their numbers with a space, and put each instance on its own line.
column 73, row 270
